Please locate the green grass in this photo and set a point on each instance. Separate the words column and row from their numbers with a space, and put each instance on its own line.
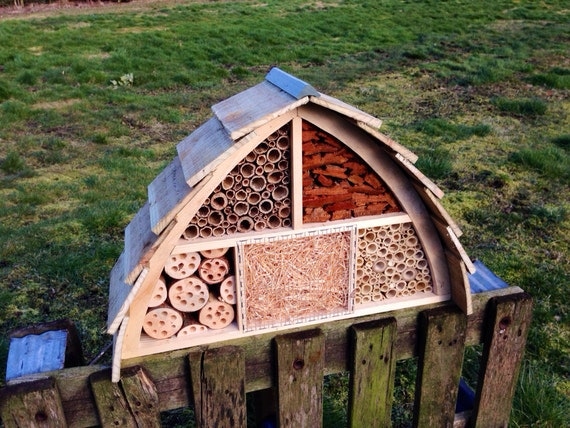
column 479, row 90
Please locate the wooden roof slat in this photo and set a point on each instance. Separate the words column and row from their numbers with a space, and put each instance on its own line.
column 437, row 208
column 416, row 173
column 199, row 151
column 346, row 109
column 138, row 238
column 120, row 297
column 248, row 110
column 452, row 243
column 460, row 289
column 292, row 85
column 393, row 145
column 165, row 192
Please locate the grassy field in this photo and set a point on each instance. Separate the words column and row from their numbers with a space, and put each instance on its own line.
column 94, row 101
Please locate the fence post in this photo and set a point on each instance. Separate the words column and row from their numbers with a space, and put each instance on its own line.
column 112, row 406
column 218, row 386
column 300, row 370
column 35, row 403
column 373, row 368
column 507, row 324
column 441, row 345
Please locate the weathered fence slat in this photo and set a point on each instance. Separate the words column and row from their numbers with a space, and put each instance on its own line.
column 34, row 403
column 300, row 371
column 218, row 385
column 142, row 397
column 441, row 347
column 372, row 373
column 112, row 406
column 508, row 323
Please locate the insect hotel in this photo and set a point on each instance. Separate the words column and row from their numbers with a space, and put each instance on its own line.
column 286, row 208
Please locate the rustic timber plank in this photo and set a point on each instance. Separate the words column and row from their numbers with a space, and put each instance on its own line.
column 169, row 370
column 345, row 109
column 218, row 385
column 138, row 240
column 452, row 243
column 436, row 208
column 441, row 348
column 35, row 403
column 460, row 289
column 372, row 373
column 300, row 370
column 391, row 144
column 112, row 406
column 509, row 320
column 142, row 396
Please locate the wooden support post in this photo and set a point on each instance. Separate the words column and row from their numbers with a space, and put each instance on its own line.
column 441, row 348
column 112, row 406
column 508, row 322
column 373, row 369
column 32, row 404
column 142, row 396
column 218, row 385
column 300, row 366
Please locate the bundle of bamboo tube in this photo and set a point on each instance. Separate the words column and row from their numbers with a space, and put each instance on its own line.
column 195, row 293
column 337, row 184
column 390, row 263
column 254, row 196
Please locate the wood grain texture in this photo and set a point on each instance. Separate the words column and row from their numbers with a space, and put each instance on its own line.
column 112, row 406
column 300, row 370
column 138, row 240
column 441, row 349
column 508, row 324
column 218, row 385
column 142, row 397
column 199, row 152
column 32, row 404
column 373, row 369
column 347, row 110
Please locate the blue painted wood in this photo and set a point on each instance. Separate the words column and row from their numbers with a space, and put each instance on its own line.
column 292, row 85
column 484, row 280
column 36, row 353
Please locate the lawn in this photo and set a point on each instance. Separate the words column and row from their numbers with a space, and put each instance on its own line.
column 94, row 100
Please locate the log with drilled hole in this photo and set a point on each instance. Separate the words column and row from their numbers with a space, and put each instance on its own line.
column 162, row 322
column 216, row 314
column 188, row 294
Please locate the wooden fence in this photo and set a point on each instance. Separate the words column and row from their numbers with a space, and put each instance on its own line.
column 215, row 379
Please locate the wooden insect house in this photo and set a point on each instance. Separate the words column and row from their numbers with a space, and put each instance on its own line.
column 287, row 208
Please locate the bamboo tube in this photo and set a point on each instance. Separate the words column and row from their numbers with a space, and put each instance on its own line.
column 261, row 160
column 274, row 155
column 203, row 211
column 371, row 248
column 265, row 194
column 206, row 232
column 241, row 195
column 202, row 222
column 213, row 271
column 215, row 218
column 259, row 225
column 191, row 327
column 250, row 157
column 284, row 212
column 273, row 221
column 257, row 183
column 253, row 211
column 245, row 224
column 228, row 182
column 282, row 142
column 253, row 198
column 275, row 177
column 180, row 266
column 232, row 229
column 247, row 170
column 218, row 201
column 261, row 148
column 409, row 274
column 283, row 165
column 286, row 222
column 379, row 266
column 377, row 297
column 241, row 208
column 280, row 192
column 215, row 253
column 266, row 206
column 188, row 294
column 268, row 168
column 191, row 232
column 162, row 322
column 232, row 218
column 216, row 314
column 366, row 289
column 228, row 290
column 218, row 231
column 159, row 293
